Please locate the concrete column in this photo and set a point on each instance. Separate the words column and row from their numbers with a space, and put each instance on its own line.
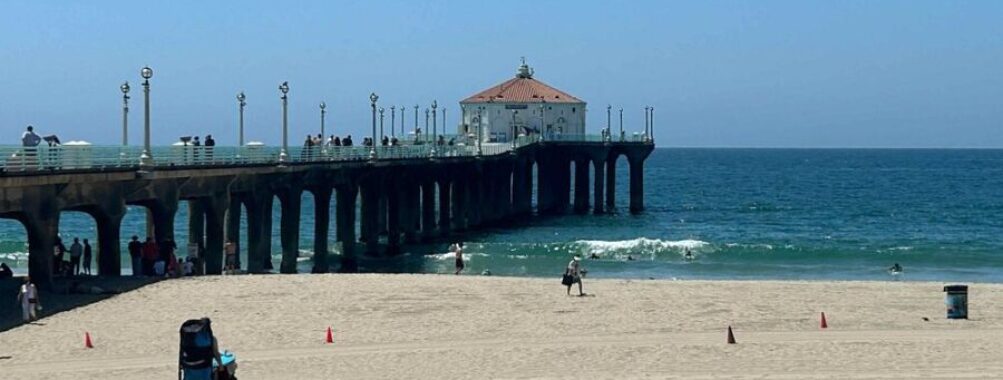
column 445, row 207
column 196, row 223
column 321, row 228
column 581, row 186
column 42, row 225
column 382, row 221
column 161, row 213
column 506, row 201
column 544, row 186
column 233, row 223
column 528, row 190
column 259, row 233
column 410, row 200
column 393, row 202
column 474, row 202
column 611, row 184
column 518, row 189
column 345, row 225
column 458, row 194
column 450, row 216
column 562, row 189
column 370, row 218
column 428, row 210
column 109, row 255
column 215, row 216
column 636, row 185
column 598, row 195
column 289, row 228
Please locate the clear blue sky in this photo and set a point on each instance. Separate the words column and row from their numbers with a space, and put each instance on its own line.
column 721, row 73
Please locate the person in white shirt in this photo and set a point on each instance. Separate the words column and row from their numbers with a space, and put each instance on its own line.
column 574, row 269
column 28, row 297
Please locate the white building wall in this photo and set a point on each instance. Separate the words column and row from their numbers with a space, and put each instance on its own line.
column 564, row 118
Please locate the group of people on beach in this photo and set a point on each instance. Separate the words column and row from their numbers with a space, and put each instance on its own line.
column 159, row 259
column 80, row 258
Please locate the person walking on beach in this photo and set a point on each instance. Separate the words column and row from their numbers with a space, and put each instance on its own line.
column 87, row 257
column 458, row 250
column 27, row 296
column 76, row 250
column 574, row 269
column 136, row 252
column 230, row 249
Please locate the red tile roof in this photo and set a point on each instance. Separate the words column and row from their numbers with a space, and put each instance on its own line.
column 522, row 89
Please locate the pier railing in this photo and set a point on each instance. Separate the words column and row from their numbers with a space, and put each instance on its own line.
column 90, row 157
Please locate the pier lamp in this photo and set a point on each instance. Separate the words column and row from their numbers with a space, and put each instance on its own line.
column 621, row 124
column 435, row 132
column 415, row 122
column 443, row 121
column 402, row 121
column 609, row 128
column 146, row 159
column 543, row 118
column 323, row 110
column 427, row 113
column 651, row 121
column 125, row 114
column 283, row 154
column 372, row 147
column 240, row 124
column 393, row 120
column 646, row 135
column 381, row 123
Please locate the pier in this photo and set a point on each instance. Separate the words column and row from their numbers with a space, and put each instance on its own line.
column 386, row 196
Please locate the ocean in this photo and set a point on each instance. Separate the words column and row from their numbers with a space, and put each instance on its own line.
column 805, row 214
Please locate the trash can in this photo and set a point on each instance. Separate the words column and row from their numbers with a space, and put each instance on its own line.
column 956, row 301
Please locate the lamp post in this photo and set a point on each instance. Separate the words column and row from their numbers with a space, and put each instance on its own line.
column 480, row 130
column 372, row 146
column 125, row 114
column 403, row 135
column 621, row 124
column 283, row 154
column 145, row 159
column 426, row 124
column 651, row 120
column 240, row 130
column 435, row 132
column 323, row 146
column 415, row 122
column 609, row 128
column 444, row 121
column 393, row 120
column 543, row 119
column 646, row 123
column 381, row 124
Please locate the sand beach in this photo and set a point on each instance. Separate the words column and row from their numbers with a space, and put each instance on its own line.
column 460, row 327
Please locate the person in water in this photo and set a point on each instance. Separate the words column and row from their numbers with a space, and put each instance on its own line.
column 688, row 255
column 895, row 269
column 594, row 256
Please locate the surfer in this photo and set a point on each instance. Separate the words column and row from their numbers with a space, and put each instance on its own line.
column 594, row 256
column 688, row 256
column 895, row 269
column 630, row 258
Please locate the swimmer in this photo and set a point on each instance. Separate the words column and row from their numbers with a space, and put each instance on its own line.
column 594, row 256
column 688, row 256
column 630, row 258
column 895, row 269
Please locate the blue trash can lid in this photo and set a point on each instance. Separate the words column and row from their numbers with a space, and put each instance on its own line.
column 955, row 288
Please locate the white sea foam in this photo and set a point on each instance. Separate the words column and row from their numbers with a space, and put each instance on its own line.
column 639, row 246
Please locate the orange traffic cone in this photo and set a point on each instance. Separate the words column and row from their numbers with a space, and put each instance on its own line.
column 330, row 336
column 87, row 340
column 823, row 324
column 731, row 336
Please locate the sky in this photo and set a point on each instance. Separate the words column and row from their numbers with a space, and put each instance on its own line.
column 719, row 73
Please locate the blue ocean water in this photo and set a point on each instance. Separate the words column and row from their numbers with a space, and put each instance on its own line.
column 845, row 214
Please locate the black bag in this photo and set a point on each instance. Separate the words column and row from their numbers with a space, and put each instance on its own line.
column 196, row 344
column 568, row 279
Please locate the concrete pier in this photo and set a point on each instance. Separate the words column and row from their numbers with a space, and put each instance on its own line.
column 403, row 201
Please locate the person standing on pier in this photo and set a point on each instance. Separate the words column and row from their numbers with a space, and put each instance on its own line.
column 209, row 144
column 196, row 146
column 136, row 252
column 27, row 296
column 76, row 250
column 88, row 253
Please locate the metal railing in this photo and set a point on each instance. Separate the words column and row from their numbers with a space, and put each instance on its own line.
column 91, row 157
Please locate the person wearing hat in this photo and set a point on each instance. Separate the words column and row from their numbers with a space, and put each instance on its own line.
column 574, row 270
